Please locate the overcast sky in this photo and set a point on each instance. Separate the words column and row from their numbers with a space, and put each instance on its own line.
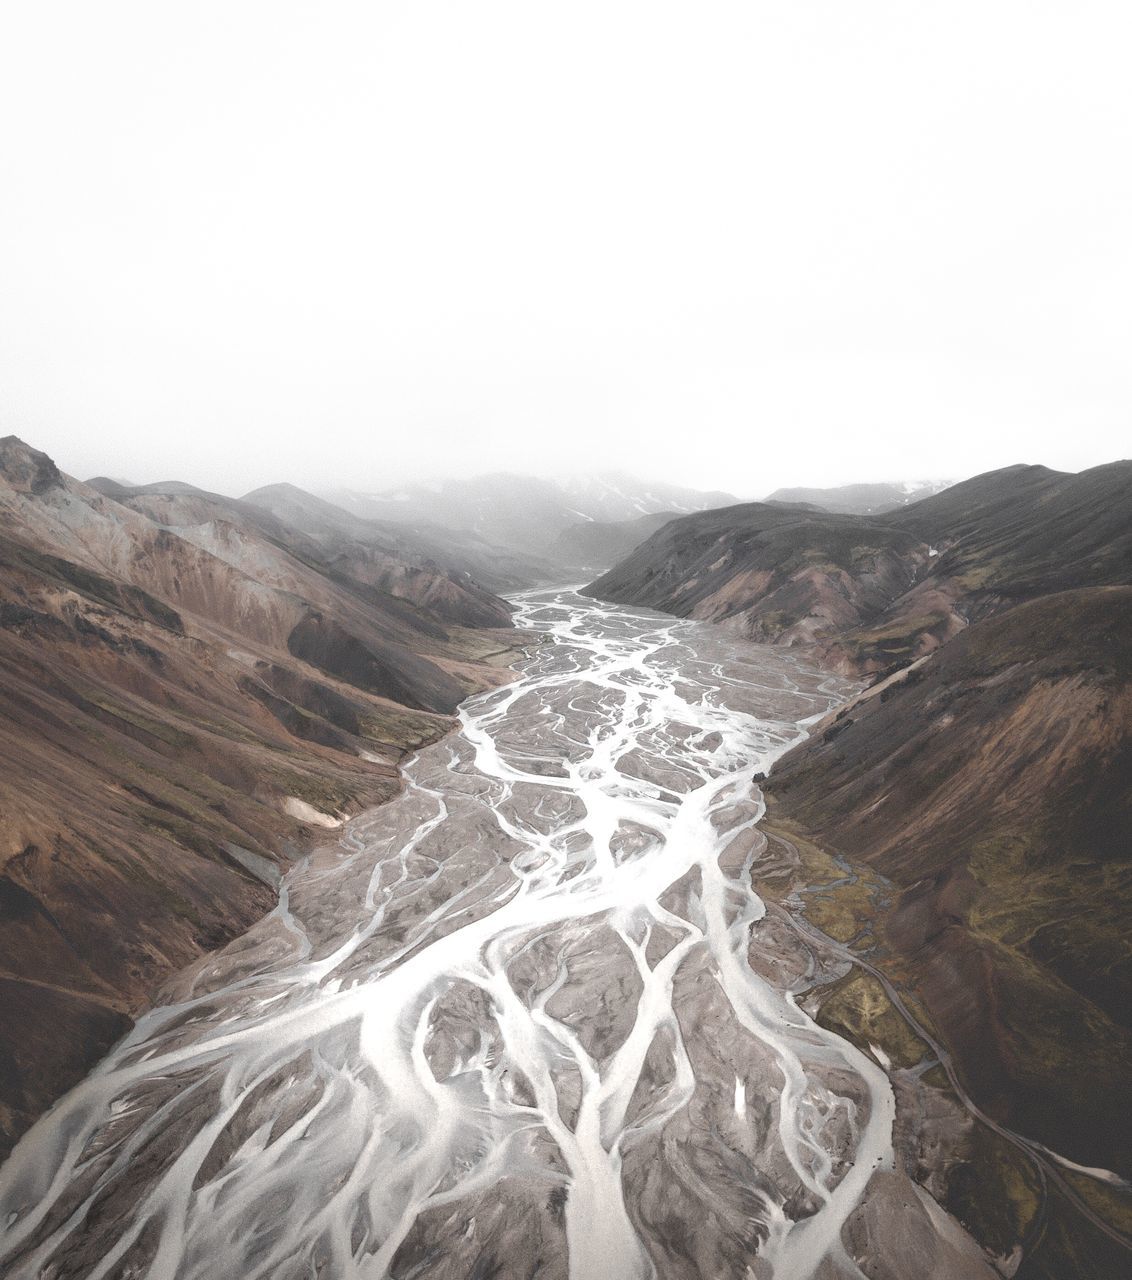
column 735, row 245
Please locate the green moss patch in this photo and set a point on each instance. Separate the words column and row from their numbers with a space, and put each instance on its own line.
column 858, row 1009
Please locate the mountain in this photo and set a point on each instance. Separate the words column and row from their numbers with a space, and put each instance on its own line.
column 251, row 535
column 599, row 544
column 615, row 496
column 862, row 499
column 340, row 533
column 524, row 513
column 773, row 573
column 990, row 787
column 190, row 694
column 872, row 593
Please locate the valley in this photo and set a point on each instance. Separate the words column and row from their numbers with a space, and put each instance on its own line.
column 546, row 981
column 549, row 934
column 567, row 1007
column 962, row 821
column 566, row 642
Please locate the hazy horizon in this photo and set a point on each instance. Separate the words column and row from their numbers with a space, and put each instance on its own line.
column 739, row 247
column 437, row 479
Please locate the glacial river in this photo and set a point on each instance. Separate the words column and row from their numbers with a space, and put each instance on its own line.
column 529, row 1019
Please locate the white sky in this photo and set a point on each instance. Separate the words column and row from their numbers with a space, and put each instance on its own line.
column 735, row 245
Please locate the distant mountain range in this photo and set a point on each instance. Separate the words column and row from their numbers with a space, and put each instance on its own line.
column 863, row 499
column 599, row 544
column 523, row 513
column 965, row 821
column 462, row 553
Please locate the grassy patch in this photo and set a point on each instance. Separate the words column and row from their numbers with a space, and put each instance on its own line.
column 844, row 903
column 858, row 1009
column 1113, row 1204
column 160, row 729
column 402, row 729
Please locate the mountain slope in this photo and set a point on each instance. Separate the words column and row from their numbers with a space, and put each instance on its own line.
column 1028, row 530
column 614, row 497
column 272, row 548
column 181, row 711
column 598, row 544
column 341, row 534
column 873, row 593
column 992, row 784
column 774, row 573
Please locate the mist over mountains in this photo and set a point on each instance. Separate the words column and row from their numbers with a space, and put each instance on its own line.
column 523, row 511
column 862, row 499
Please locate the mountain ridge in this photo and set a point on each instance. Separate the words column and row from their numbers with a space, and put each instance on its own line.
column 526, row 513
column 872, row 593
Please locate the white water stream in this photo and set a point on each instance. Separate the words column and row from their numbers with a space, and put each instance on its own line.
column 510, row 1026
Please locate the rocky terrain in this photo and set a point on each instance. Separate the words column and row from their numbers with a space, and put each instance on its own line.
column 872, row 593
column 193, row 689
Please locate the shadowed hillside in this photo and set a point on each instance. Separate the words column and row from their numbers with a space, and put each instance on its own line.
column 596, row 544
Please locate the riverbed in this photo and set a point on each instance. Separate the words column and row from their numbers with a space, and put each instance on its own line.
column 531, row 1018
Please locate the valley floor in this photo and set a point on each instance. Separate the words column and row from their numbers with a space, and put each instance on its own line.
column 561, row 1009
